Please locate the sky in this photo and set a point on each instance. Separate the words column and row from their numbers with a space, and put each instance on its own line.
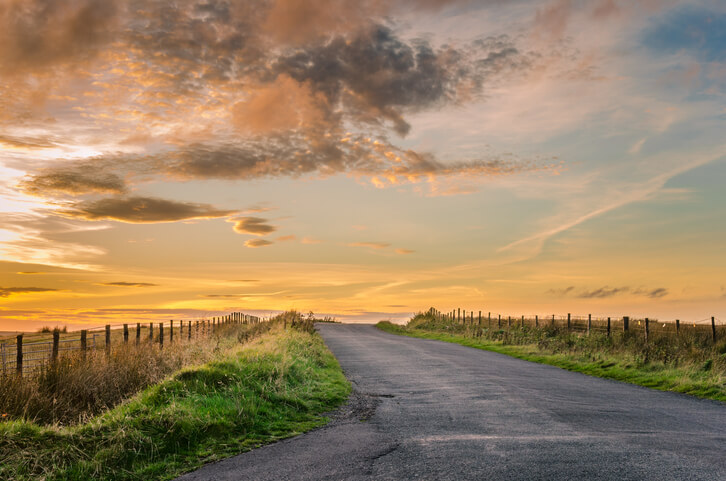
column 360, row 159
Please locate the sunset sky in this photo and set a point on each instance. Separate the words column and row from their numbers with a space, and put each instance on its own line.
column 363, row 159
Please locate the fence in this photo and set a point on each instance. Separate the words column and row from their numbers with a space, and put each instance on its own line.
column 713, row 327
column 26, row 357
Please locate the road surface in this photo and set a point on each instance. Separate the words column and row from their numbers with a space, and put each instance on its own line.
column 431, row 410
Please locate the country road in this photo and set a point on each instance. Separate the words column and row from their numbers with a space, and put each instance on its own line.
column 436, row 411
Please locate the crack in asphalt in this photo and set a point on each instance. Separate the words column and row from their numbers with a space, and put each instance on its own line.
column 423, row 409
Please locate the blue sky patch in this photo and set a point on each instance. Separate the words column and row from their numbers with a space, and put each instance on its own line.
column 694, row 30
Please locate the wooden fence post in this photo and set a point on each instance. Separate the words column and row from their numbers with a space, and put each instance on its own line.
column 626, row 323
column 458, row 316
column 56, row 342
column 499, row 321
column 19, row 354
column 647, row 329
column 108, row 339
column 161, row 334
column 171, row 332
column 713, row 328
column 489, row 322
column 678, row 327
column 522, row 322
column 536, row 320
column 509, row 322
column 138, row 333
column 568, row 322
column 608, row 327
column 189, row 331
column 126, row 333
column 151, row 332
column 553, row 320
column 84, row 343
column 589, row 323
column 479, row 318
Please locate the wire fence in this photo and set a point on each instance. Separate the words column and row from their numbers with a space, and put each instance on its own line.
column 25, row 356
column 711, row 326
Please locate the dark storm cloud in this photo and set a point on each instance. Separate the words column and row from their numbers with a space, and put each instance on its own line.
column 139, row 210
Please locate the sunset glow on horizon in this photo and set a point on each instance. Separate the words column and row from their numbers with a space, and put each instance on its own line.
column 360, row 159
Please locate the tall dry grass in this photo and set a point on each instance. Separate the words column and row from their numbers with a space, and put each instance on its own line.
column 688, row 348
column 74, row 389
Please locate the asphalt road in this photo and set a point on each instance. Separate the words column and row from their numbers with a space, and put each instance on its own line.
column 437, row 411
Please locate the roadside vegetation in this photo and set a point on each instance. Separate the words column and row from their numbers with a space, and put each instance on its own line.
column 250, row 386
column 689, row 363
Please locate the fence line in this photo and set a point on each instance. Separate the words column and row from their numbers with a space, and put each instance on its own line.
column 27, row 357
column 712, row 326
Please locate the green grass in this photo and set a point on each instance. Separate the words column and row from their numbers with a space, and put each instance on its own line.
column 596, row 356
column 272, row 388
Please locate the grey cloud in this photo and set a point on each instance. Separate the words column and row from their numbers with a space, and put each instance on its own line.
column 561, row 292
column 82, row 179
column 603, row 292
column 142, row 210
column 9, row 291
column 252, row 225
column 378, row 76
column 652, row 293
column 257, row 243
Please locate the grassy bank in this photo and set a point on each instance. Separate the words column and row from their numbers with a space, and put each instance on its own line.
column 254, row 393
column 686, row 365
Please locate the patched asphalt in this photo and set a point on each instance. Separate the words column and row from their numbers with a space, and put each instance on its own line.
column 431, row 410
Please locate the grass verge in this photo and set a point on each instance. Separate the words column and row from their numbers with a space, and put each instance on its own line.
column 595, row 356
column 272, row 388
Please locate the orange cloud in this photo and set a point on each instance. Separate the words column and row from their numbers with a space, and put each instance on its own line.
column 285, row 104
column 372, row 245
column 404, row 251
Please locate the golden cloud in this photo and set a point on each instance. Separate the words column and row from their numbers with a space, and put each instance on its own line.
column 252, row 225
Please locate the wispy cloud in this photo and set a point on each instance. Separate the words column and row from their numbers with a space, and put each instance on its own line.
column 608, row 292
column 370, row 245
column 10, row 291
column 128, row 284
column 404, row 251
